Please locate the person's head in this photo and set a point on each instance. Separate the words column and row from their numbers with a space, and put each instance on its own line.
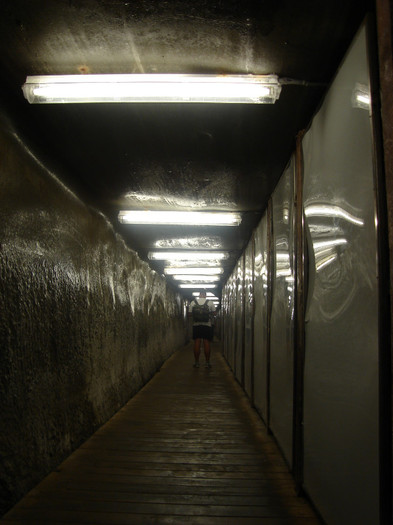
column 202, row 295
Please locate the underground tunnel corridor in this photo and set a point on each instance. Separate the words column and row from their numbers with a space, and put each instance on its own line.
column 188, row 448
column 117, row 208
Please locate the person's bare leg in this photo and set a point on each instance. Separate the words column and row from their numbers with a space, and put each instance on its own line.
column 197, row 350
column 206, row 347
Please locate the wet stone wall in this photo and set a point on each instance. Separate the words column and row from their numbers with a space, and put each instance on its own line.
column 84, row 323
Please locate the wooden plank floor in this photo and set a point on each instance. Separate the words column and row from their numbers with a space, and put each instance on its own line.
column 188, row 448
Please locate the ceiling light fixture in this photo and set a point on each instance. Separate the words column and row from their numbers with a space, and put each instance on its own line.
column 191, row 218
column 200, row 286
column 214, row 270
column 196, row 278
column 53, row 89
column 210, row 295
column 187, row 256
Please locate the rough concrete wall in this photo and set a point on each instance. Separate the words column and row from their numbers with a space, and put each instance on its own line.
column 84, row 323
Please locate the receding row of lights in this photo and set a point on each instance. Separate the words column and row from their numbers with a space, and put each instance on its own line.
column 195, row 269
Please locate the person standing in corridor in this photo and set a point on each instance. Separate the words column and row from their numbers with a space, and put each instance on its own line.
column 202, row 310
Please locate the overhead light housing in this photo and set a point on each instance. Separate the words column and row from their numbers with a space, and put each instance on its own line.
column 245, row 89
column 196, row 278
column 187, row 256
column 209, row 295
column 213, row 270
column 200, row 286
column 190, row 218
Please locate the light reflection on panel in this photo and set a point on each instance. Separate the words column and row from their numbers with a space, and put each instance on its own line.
column 341, row 368
column 248, row 317
column 282, row 326
column 224, row 320
column 239, row 311
column 260, row 318
column 232, row 332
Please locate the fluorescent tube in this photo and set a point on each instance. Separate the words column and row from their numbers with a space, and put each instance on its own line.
column 198, row 286
column 187, row 256
column 209, row 295
column 252, row 89
column 194, row 271
column 196, row 278
column 193, row 218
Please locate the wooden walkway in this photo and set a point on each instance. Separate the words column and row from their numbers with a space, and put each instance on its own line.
column 188, row 448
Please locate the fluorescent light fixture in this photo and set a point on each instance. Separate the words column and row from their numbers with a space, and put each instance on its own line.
column 194, row 271
column 209, row 295
column 196, row 278
column 187, row 256
column 193, row 218
column 197, row 286
column 246, row 89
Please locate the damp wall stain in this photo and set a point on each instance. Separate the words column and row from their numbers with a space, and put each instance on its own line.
column 84, row 323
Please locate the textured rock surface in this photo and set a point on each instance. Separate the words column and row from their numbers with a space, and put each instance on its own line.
column 84, row 323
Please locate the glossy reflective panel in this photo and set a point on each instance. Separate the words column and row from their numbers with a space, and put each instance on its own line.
column 248, row 315
column 239, row 325
column 261, row 341
column 340, row 412
column 229, row 320
column 282, row 325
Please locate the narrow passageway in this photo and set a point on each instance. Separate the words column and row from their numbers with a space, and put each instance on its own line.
column 188, row 448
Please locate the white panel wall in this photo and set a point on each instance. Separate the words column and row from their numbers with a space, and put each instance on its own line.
column 239, row 320
column 230, row 321
column 282, row 326
column 261, row 333
column 248, row 317
column 340, row 419
column 341, row 368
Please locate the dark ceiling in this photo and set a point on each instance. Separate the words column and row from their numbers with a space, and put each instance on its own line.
column 172, row 156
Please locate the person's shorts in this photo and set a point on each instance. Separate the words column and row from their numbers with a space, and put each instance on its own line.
column 202, row 331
